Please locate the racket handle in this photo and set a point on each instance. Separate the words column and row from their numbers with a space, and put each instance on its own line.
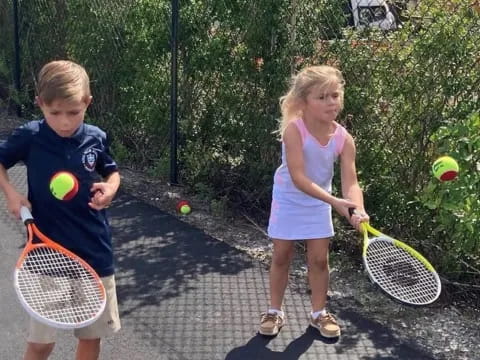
column 351, row 211
column 26, row 215
column 363, row 226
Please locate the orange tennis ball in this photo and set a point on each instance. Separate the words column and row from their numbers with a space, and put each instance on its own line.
column 445, row 168
column 64, row 185
column 183, row 207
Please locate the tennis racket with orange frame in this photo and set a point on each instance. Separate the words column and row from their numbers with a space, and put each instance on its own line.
column 55, row 286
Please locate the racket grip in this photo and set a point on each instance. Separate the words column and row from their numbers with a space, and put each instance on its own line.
column 26, row 215
column 351, row 211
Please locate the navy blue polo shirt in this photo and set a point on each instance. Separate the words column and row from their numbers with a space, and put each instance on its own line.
column 73, row 224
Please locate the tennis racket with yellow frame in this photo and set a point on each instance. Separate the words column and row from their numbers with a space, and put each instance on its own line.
column 399, row 270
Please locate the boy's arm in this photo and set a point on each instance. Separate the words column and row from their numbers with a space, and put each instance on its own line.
column 15, row 200
column 5, row 181
column 114, row 181
column 104, row 192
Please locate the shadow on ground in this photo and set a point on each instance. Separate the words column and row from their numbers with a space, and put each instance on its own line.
column 381, row 339
column 160, row 257
column 200, row 298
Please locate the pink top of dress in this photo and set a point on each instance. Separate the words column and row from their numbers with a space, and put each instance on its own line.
column 318, row 162
column 294, row 214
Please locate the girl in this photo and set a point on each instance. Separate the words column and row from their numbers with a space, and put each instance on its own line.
column 302, row 200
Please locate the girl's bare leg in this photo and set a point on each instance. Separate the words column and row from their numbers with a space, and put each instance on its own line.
column 282, row 256
column 318, row 271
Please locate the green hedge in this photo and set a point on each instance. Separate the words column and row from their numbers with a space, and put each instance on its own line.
column 411, row 96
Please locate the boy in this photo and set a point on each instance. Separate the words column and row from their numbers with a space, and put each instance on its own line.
column 61, row 141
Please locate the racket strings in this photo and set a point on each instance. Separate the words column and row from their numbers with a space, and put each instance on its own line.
column 58, row 287
column 400, row 274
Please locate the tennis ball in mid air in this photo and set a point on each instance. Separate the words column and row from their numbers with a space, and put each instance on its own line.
column 183, row 207
column 64, row 185
column 445, row 168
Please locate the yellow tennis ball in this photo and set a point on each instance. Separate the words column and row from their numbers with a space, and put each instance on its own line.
column 445, row 168
column 185, row 209
column 63, row 185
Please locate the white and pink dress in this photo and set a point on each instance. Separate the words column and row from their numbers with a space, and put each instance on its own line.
column 295, row 215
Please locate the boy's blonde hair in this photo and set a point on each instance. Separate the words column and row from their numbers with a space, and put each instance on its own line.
column 322, row 77
column 62, row 80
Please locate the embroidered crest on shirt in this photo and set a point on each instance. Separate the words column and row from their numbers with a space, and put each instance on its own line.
column 89, row 159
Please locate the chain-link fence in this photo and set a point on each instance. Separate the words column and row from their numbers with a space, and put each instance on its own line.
column 6, row 53
column 124, row 45
column 412, row 84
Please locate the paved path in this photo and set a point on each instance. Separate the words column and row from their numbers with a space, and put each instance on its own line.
column 184, row 295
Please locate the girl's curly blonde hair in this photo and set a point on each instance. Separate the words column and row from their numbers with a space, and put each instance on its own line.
column 322, row 76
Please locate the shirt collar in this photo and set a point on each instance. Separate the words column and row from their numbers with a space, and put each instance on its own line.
column 77, row 135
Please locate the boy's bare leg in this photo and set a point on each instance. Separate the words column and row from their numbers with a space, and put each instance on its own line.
column 281, row 259
column 38, row 351
column 88, row 349
column 318, row 272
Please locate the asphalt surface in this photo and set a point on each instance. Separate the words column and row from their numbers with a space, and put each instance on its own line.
column 184, row 295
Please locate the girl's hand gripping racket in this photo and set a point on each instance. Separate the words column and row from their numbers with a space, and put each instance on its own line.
column 54, row 285
column 399, row 270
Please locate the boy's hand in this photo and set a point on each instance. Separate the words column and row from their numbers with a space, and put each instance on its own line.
column 15, row 201
column 103, row 194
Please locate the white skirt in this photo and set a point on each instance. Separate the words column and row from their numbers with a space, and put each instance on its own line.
column 291, row 221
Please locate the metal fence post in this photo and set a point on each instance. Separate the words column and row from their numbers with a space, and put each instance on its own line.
column 173, row 95
column 17, row 68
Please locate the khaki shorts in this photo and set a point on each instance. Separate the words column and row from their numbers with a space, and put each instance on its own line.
column 107, row 324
